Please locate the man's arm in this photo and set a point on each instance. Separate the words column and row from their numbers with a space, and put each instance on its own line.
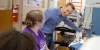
column 71, row 24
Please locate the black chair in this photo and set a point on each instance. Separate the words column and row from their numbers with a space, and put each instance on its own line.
column 66, row 39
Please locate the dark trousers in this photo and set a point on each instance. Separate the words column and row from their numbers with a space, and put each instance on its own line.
column 49, row 40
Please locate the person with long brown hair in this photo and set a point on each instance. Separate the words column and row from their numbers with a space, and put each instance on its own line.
column 35, row 21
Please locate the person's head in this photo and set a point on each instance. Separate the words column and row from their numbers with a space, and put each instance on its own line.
column 92, row 43
column 35, row 18
column 15, row 40
column 67, row 9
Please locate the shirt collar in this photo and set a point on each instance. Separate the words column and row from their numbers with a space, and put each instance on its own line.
column 59, row 11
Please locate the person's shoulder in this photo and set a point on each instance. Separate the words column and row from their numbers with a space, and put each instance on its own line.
column 41, row 33
column 52, row 9
column 26, row 29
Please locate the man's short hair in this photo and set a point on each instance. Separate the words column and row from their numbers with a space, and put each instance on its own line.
column 70, row 4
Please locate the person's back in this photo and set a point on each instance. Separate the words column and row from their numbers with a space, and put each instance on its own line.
column 15, row 40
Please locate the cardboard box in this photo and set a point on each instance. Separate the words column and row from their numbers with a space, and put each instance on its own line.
column 63, row 48
column 59, row 37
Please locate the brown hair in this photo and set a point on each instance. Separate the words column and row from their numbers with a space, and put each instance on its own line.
column 14, row 40
column 32, row 17
column 70, row 4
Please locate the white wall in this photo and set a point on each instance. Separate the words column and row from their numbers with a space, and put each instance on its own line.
column 56, row 3
column 83, row 4
column 53, row 3
column 67, row 1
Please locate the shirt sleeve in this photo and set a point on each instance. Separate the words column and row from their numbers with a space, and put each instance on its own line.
column 47, row 14
column 71, row 24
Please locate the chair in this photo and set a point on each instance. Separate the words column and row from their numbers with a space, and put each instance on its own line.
column 64, row 39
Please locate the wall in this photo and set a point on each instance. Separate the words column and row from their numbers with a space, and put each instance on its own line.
column 18, row 24
column 83, row 4
column 27, row 9
column 53, row 3
column 6, row 3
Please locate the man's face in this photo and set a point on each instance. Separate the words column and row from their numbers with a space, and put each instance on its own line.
column 67, row 11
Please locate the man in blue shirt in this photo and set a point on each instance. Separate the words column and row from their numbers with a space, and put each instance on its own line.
column 53, row 17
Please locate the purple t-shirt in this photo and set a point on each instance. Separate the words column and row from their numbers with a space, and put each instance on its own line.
column 41, row 43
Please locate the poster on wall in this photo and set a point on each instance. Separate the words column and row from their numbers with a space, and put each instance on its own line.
column 33, row 3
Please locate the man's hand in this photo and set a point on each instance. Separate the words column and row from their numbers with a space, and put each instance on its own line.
column 83, row 31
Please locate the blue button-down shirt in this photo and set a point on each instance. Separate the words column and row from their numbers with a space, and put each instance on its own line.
column 53, row 18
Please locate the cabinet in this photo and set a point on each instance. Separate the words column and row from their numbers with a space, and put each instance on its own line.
column 6, row 15
column 61, row 3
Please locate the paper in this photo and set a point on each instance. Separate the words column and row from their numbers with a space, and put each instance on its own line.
column 33, row 3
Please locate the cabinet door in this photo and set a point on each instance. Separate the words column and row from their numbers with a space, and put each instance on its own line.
column 5, row 15
column 5, row 20
column 61, row 3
